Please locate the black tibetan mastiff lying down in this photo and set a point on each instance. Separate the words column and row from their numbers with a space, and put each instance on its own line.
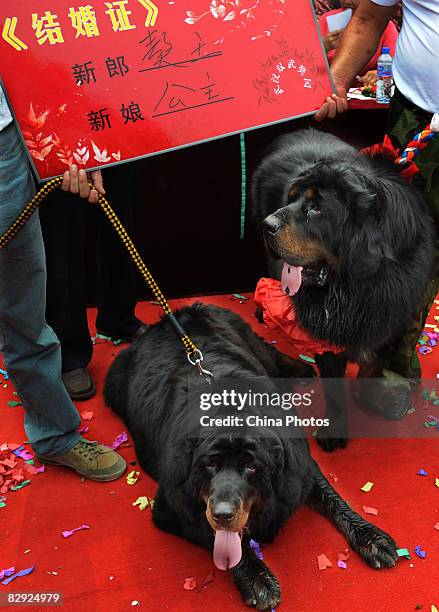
column 219, row 491
column 357, row 239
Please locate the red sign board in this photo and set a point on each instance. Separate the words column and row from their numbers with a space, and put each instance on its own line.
column 102, row 82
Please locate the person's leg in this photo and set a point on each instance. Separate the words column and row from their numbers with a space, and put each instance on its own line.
column 403, row 357
column 116, row 293
column 64, row 225
column 30, row 349
column 406, row 120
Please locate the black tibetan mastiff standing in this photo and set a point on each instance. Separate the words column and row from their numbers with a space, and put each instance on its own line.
column 218, row 491
column 360, row 239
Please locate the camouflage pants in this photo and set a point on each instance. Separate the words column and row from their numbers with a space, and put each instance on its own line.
column 405, row 120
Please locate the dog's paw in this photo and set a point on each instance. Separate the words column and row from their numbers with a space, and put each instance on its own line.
column 329, row 445
column 258, row 586
column 376, row 547
column 263, row 591
column 390, row 401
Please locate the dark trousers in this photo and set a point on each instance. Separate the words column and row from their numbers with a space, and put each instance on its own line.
column 405, row 121
column 65, row 221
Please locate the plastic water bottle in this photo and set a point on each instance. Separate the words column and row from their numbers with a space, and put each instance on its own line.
column 384, row 77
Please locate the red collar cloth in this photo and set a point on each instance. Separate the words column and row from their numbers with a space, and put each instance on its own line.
column 280, row 316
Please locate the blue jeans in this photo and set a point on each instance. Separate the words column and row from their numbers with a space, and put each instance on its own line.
column 31, row 350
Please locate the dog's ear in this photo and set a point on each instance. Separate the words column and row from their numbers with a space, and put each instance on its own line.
column 276, row 453
column 177, row 467
column 272, row 454
column 386, row 216
column 365, row 245
column 364, row 252
column 292, row 471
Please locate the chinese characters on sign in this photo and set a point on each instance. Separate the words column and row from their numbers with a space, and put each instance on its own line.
column 85, row 73
column 106, row 81
column 83, row 20
column 99, row 120
column 291, row 65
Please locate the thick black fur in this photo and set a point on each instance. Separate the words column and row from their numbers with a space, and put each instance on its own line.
column 372, row 221
column 375, row 235
column 147, row 385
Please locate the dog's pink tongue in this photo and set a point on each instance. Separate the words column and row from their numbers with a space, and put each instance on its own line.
column 291, row 278
column 227, row 551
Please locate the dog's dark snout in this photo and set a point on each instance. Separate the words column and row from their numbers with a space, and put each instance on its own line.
column 271, row 225
column 223, row 513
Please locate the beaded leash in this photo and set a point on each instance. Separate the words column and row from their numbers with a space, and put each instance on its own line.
column 193, row 353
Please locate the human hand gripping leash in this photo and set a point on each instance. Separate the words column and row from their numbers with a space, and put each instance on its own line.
column 194, row 355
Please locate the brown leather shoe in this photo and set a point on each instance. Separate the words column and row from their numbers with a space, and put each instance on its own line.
column 89, row 459
column 79, row 384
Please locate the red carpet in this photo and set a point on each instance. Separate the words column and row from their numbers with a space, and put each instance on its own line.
column 150, row 567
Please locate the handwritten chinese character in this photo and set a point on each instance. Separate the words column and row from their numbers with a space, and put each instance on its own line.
column 207, row 89
column 131, row 113
column 84, row 21
column 307, row 83
column 173, row 101
column 201, row 44
column 178, row 97
column 47, row 28
column 197, row 52
column 116, row 66
column 157, row 48
column 99, row 120
column 120, row 17
column 84, row 73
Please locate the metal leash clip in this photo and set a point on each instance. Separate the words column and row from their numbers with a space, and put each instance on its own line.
column 208, row 376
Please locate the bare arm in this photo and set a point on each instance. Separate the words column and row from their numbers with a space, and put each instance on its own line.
column 357, row 45
column 360, row 41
